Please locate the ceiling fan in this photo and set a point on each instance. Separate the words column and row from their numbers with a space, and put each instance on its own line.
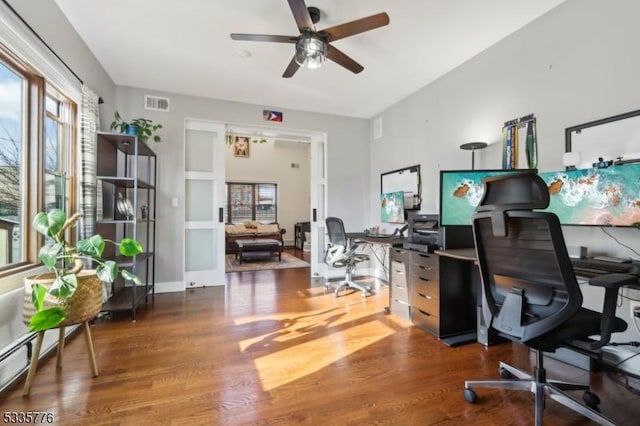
column 313, row 47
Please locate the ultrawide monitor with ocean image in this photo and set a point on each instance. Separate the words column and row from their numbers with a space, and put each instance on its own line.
column 585, row 197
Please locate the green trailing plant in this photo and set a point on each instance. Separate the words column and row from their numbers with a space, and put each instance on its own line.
column 143, row 128
column 66, row 261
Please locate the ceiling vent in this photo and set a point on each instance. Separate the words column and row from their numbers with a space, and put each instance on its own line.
column 156, row 103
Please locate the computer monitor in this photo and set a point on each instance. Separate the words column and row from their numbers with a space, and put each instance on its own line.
column 596, row 196
column 392, row 207
column 460, row 194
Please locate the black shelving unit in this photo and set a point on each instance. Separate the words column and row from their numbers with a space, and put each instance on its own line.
column 126, row 175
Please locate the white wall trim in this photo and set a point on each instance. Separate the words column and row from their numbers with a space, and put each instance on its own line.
column 170, row 287
column 23, row 43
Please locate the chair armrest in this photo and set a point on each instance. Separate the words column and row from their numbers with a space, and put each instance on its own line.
column 612, row 284
column 613, row 281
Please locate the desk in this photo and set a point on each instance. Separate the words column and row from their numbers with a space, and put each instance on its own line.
column 445, row 303
column 386, row 243
column 459, row 272
column 436, row 292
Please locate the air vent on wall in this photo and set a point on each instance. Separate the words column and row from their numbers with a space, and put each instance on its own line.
column 156, row 103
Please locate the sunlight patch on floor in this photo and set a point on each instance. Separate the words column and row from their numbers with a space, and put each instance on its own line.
column 289, row 346
column 291, row 360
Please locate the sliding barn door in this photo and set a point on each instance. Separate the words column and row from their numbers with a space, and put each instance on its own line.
column 204, row 179
column 318, row 152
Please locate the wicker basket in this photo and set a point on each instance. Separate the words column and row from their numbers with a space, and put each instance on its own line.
column 83, row 306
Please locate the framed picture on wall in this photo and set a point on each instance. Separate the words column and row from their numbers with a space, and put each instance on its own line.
column 241, row 146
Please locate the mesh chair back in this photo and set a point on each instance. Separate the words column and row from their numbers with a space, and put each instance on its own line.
column 335, row 229
column 529, row 284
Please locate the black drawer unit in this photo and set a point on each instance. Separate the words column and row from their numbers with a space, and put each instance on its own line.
column 441, row 295
column 424, row 292
column 426, row 321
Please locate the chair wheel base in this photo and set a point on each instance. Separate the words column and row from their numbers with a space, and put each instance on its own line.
column 505, row 374
column 364, row 291
column 591, row 399
column 470, row 395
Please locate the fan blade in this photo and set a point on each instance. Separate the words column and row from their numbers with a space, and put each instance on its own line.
column 301, row 15
column 265, row 37
column 291, row 68
column 356, row 27
column 341, row 59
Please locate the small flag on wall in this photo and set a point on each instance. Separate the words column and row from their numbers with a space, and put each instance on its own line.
column 268, row 115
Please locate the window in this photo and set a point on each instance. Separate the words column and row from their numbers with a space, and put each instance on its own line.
column 57, row 136
column 251, row 201
column 29, row 107
column 13, row 107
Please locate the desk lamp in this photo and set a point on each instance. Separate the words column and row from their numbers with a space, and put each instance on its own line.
column 472, row 146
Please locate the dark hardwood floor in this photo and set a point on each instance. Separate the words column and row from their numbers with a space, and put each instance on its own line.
column 269, row 349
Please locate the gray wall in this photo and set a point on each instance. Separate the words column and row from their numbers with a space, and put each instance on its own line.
column 569, row 67
column 52, row 26
column 576, row 64
column 347, row 139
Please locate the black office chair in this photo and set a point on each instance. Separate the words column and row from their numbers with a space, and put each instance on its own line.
column 530, row 291
column 341, row 253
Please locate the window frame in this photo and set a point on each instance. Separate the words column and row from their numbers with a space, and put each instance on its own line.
column 254, row 199
column 32, row 161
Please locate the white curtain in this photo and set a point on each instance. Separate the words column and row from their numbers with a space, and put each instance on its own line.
column 90, row 124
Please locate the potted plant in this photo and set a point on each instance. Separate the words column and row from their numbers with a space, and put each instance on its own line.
column 143, row 128
column 58, row 297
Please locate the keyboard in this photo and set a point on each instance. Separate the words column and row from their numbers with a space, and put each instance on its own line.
column 593, row 267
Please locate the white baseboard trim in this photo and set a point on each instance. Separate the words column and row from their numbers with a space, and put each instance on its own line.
column 170, row 287
column 173, row 287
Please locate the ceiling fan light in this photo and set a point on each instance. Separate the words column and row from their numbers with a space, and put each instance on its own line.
column 311, row 50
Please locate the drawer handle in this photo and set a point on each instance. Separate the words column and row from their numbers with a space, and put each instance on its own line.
column 426, row 268
column 425, row 296
column 424, row 313
column 424, row 256
column 400, row 286
column 424, row 279
column 401, row 302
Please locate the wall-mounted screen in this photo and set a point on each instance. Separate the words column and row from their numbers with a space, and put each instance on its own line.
column 392, row 207
column 406, row 180
column 460, row 194
column 598, row 197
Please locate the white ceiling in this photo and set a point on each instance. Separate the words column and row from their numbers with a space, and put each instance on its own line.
column 183, row 46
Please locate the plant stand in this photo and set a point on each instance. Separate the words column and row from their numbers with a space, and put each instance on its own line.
column 33, row 365
column 81, row 308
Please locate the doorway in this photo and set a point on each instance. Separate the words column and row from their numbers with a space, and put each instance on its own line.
column 294, row 161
